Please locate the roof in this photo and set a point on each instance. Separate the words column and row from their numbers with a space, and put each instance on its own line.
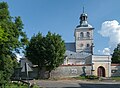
column 70, row 46
column 71, row 52
column 76, row 55
column 88, row 26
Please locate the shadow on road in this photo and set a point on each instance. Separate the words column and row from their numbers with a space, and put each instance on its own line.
column 97, row 86
column 93, row 86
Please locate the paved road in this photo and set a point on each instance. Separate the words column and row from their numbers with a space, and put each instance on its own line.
column 76, row 84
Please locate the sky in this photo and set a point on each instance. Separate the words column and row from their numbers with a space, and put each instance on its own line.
column 62, row 17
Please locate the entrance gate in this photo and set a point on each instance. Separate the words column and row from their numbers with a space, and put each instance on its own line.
column 101, row 71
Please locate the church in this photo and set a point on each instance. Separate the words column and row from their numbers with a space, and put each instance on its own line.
column 79, row 57
column 80, row 52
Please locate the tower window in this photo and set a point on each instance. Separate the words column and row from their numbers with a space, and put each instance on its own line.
column 88, row 34
column 88, row 45
column 81, row 35
column 81, row 45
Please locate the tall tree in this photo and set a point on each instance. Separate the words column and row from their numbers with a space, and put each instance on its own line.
column 46, row 51
column 116, row 55
column 34, row 50
column 55, row 49
column 12, row 38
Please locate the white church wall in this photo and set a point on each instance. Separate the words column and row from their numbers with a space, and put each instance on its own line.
column 73, row 61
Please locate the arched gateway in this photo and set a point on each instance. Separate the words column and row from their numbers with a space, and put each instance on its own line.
column 101, row 71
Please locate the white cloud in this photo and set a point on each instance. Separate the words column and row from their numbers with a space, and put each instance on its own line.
column 111, row 29
column 99, row 51
column 106, row 51
column 18, row 57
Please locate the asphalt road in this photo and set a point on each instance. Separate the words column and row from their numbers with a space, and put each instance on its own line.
column 76, row 84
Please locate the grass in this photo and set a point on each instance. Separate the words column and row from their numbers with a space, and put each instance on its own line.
column 13, row 85
column 18, row 85
column 89, row 77
column 116, row 78
column 80, row 78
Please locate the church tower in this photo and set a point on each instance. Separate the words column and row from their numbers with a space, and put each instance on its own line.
column 84, row 35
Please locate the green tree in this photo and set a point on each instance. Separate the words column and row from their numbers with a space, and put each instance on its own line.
column 3, row 36
column 55, row 50
column 46, row 51
column 35, row 50
column 12, row 39
column 116, row 55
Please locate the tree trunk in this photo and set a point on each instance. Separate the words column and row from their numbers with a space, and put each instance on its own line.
column 49, row 74
column 39, row 70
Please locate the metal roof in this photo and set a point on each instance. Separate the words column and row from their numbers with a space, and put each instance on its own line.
column 70, row 46
column 76, row 55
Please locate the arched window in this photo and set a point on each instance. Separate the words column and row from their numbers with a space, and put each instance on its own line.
column 81, row 35
column 88, row 45
column 88, row 34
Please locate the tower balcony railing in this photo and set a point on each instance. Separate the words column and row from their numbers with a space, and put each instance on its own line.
column 80, row 38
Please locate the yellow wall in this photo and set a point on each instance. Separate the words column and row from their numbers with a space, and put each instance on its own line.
column 104, row 61
column 97, row 65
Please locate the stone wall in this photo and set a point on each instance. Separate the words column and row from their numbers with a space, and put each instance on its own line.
column 66, row 71
column 115, row 69
column 62, row 71
column 71, row 71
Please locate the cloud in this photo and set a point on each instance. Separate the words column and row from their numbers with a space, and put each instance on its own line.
column 18, row 57
column 106, row 51
column 111, row 29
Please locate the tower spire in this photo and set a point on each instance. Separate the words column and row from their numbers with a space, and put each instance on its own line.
column 83, row 9
column 83, row 19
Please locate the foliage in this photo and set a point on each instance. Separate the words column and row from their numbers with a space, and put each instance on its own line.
column 46, row 51
column 55, row 49
column 116, row 78
column 86, row 77
column 116, row 55
column 35, row 86
column 34, row 50
column 12, row 38
column 91, row 77
column 80, row 78
column 16, row 85
column 3, row 36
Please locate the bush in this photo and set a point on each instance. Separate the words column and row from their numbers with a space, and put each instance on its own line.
column 80, row 77
column 91, row 77
column 34, row 86
column 15, row 85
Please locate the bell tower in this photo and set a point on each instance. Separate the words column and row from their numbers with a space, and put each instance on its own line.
column 84, row 35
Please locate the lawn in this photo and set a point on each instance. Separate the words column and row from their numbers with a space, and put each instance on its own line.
column 95, row 78
column 116, row 78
